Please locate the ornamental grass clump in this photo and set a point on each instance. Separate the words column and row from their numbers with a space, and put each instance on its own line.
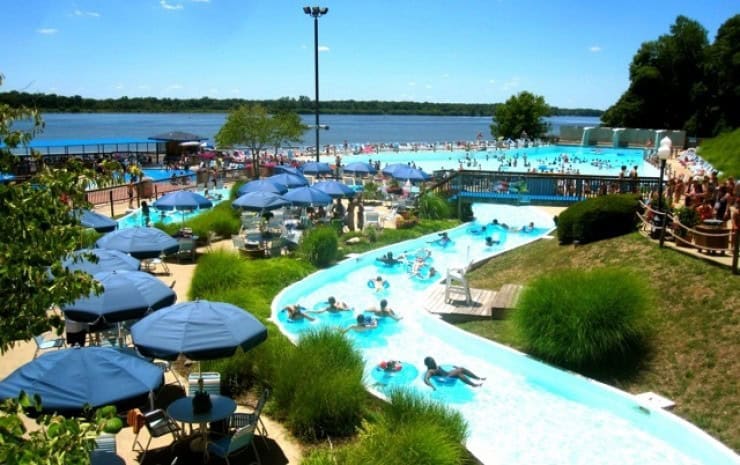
column 411, row 429
column 318, row 388
column 585, row 320
column 319, row 246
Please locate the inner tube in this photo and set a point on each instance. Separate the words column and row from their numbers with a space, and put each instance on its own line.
column 371, row 284
column 390, row 365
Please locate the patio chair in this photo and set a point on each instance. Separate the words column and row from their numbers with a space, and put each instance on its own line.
column 47, row 344
column 158, row 424
column 240, row 420
column 230, row 445
column 238, row 241
column 372, row 218
column 167, row 368
column 106, row 442
column 186, row 250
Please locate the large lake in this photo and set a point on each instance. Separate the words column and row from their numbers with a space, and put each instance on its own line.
column 355, row 129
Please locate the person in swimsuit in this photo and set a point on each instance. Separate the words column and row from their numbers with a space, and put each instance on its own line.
column 461, row 373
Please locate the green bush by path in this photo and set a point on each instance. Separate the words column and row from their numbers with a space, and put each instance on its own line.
column 319, row 246
column 585, row 320
column 251, row 284
column 433, row 207
column 318, row 388
column 598, row 218
column 221, row 219
column 411, row 429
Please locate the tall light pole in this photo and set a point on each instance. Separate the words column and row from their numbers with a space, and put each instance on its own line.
column 664, row 151
column 316, row 11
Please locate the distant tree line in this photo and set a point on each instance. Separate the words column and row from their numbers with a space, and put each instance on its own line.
column 52, row 103
column 681, row 81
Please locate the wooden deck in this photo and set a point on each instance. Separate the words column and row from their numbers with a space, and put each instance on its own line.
column 486, row 303
column 458, row 309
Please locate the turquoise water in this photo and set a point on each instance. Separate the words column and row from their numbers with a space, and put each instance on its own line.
column 160, row 174
column 136, row 219
column 555, row 158
column 526, row 412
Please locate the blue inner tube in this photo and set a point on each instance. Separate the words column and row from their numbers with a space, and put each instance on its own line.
column 406, row 374
column 371, row 284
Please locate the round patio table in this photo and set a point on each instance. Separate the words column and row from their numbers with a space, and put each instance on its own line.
column 182, row 410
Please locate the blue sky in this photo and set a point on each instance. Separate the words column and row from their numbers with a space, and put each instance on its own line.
column 574, row 53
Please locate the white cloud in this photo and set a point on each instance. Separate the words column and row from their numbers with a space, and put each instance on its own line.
column 323, row 48
column 594, row 49
column 47, row 31
column 93, row 14
column 170, row 6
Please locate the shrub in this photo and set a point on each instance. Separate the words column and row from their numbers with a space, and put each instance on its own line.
column 318, row 386
column 433, row 207
column 221, row 219
column 598, row 218
column 319, row 246
column 584, row 319
column 411, row 429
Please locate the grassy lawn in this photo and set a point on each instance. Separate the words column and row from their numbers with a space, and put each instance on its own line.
column 694, row 352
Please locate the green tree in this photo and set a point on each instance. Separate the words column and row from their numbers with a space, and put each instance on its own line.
column 39, row 229
column 252, row 126
column 724, row 74
column 667, row 88
column 521, row 113
column 288, row 129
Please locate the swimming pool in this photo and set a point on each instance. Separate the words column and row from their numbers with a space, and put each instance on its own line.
column 526, row 412
column 553, row 158
column 136, row 219
column 162, row 174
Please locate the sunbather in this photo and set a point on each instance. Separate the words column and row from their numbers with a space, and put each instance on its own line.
column 461, row 373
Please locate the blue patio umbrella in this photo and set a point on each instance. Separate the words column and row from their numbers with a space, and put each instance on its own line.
column 70, row 379
column 390, row 169
column 259, row 201
column 96, row 221
column 289, row 180
column 335, row 189
column 315, row 167
column 140, row 242
column 108, row 260
column 199, row 330
column 182, row 200
column 287, row 169
column 359, row 167
column 262, row 185
column 126, row 295
column 410, row 174
column 307, row 196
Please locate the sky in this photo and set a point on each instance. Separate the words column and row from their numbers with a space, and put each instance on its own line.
column 576, row 54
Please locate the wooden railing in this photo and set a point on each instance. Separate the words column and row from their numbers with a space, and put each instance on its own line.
column 713, row 240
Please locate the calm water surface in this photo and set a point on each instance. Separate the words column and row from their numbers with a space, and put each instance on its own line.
column 351, row 128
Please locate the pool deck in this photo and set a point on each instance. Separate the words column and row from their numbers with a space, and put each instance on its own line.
column 485, row 303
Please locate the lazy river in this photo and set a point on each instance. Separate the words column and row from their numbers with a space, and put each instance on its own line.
column 526, row 412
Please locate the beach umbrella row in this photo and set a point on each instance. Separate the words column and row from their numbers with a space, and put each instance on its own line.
column 140, row 242
column 182, row 200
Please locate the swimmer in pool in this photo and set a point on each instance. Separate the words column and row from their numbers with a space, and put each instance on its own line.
column 333, row 307
column 491, row 241
column 379, row 283
column 496, row 223
column 297, row 312
column 388, row 259
column 461, row 373
column 364, row 323
column 384, row 310
column 444, row 240
column 528, row 228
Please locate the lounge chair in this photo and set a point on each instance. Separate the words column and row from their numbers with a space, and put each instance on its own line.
column 186, row 250
column 211, row 382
